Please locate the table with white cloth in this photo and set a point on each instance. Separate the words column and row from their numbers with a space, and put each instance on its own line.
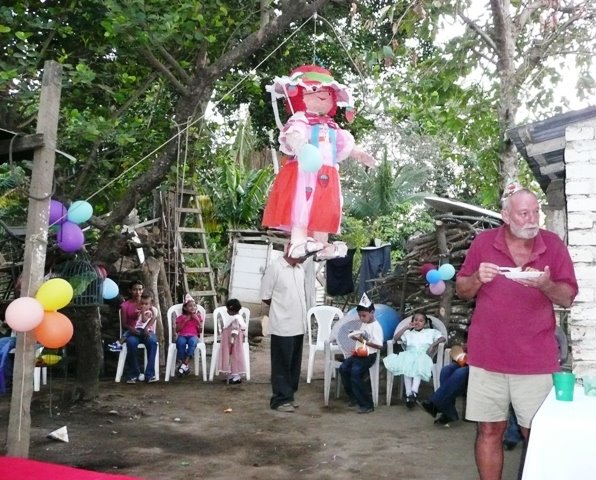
column 563, row 439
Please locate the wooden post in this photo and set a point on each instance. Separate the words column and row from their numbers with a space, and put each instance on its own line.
column 19, row 423
column 444, row 254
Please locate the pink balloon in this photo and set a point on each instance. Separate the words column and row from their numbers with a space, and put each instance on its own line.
column 437, row 288
column 70, row 237
column 24, row 314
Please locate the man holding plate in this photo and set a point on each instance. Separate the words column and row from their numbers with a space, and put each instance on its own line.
column 517, row 273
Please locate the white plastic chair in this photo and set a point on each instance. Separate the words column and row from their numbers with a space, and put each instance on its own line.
column 324, row 316
column 339, row 338
column 437, row 364
column 122, row 356
column 219, row 314
column 173, row 312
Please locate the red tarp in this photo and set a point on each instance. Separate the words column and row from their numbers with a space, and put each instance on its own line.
column 24, row 469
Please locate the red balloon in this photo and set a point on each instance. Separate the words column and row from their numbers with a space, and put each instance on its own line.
column 424, row 269
column 54, row 331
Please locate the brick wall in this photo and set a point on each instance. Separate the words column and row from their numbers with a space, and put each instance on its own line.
column 580, row 189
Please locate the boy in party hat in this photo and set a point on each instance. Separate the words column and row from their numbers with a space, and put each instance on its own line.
column 354, row 369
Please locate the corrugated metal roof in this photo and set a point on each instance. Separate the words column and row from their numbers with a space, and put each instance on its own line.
column 542, row 143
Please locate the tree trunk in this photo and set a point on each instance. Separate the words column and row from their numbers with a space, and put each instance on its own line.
column 89, row 350
column 508, row 85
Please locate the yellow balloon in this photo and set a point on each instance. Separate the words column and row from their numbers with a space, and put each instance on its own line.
column 54, row 294
column 50, row 360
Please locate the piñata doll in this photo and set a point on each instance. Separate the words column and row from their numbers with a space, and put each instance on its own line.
column 306, row 198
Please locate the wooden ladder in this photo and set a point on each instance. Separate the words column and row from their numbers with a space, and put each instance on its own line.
column 193, row 250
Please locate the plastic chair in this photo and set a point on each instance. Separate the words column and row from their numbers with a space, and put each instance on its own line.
column 338, row 338
column 219, row 314
column 173, row 312
column 123, row 352
column 324, row 316
column 437, row 364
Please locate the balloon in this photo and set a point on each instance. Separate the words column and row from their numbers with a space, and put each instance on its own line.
column 437, row 288
column 50, row 359
column 54, row 294
column 424, row 269
column 57, row 212
column 70, row 237
column 24, row 314
column 79, row 212
column 109, row 289
column 310, row 158
column 54, row 331
column 446, row 271
column 433, row 276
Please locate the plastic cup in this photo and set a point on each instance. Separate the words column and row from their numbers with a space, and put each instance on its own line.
column 564, row 383
column 589, row 385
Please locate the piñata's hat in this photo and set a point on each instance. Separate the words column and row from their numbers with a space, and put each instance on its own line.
column 309, row 76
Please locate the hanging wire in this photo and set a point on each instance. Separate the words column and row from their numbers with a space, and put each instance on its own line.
column 314, row 39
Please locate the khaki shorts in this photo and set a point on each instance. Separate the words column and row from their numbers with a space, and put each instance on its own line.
column 490, row 393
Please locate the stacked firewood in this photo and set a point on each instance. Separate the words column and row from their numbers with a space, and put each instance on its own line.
column 409, row 291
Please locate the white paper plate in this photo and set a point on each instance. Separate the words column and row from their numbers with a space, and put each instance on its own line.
column 522, row 275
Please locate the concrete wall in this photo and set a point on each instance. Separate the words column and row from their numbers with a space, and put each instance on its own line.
column 580, row 189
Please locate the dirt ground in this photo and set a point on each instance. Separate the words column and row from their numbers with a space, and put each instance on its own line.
column 178, row 430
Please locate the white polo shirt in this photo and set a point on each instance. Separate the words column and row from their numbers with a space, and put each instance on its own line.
column 283, row 284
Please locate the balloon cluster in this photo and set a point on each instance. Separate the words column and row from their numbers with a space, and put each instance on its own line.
column 437, row 277
column 70, row 236
column 52, row 329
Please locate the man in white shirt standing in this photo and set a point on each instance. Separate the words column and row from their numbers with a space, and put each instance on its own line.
column 282, row 288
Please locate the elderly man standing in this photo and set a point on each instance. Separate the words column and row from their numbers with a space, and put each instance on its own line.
column 512, row 350
column 282, row 288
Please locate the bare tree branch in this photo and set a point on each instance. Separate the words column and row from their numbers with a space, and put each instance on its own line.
column 171, row 61
column 523, row 17
column 481, row 33
column 160, row 67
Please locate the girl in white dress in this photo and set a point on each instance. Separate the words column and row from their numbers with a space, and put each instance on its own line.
column 415, row 362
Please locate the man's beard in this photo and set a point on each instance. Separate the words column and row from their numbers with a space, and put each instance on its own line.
column 525, row 232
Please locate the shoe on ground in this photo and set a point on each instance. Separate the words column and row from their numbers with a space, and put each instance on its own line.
column 115, row 347
column 131, row 380
column 428, row 407
column 183, row 369
column 509, row 445
column 366, row 410
column 286, row 408
column 141, row 377
column 411, row 401
column 235, row 381
column 443, row 420
column 152, row 380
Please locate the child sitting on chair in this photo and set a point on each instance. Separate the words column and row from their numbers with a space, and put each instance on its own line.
column 147, row 313
column 231, row 353
column 415, row 363
column 353, row 370
column 188, row 328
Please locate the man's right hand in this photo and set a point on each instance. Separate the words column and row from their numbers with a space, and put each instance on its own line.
column 487, row 272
